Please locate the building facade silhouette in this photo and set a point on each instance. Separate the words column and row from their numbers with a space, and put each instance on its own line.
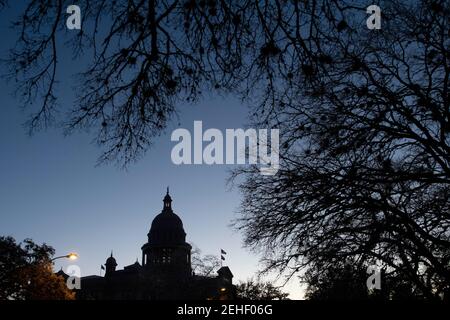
column 164, row 273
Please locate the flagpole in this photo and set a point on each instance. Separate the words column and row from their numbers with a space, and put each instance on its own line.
column 222, row 257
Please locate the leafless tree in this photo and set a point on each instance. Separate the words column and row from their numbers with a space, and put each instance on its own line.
column 258, row 290
column 204, row 265
column 366, row 152
column 146, row 57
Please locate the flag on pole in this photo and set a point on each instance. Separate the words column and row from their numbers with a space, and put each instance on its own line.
column 222, row 258
column 102, row 267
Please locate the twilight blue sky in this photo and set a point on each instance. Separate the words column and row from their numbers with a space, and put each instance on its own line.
column 51, row 190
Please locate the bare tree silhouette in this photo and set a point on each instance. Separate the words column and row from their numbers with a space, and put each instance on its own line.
column 146, row 57
column 365, row 165
column 259, row 290
column 342, row 280
column 204, row 265
column 364, row 114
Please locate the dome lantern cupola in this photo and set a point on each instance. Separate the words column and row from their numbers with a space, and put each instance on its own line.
column 167, row 202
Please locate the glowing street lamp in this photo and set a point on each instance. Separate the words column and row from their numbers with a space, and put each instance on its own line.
column 71, row 256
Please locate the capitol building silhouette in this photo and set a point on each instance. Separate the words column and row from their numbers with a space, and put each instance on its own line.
column 164, row 273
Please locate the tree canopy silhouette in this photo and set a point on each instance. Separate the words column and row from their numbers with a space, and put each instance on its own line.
column 26, row 272
column 257, row 290
column 146, row 57
column 204, row 265
column 365, row 166
column 341, row 280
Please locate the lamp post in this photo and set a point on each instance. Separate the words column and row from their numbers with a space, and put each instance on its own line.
column 71, row 256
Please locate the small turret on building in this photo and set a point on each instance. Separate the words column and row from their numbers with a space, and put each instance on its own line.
column 110, row 265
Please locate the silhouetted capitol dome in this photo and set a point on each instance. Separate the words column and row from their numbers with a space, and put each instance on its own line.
column 165, row 271
column 167, row 227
